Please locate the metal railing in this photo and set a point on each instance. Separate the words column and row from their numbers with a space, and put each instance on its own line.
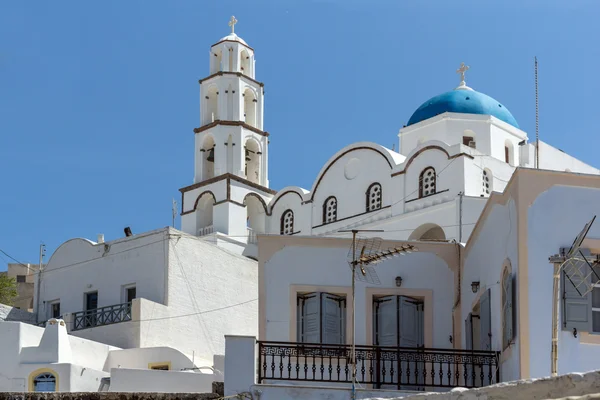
column 102, row 316
column 383, row 367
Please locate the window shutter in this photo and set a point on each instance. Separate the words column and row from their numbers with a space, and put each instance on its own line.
column 333, row 320
column 469, row 332
column 508, row 311
column 311, row 318
column 387, row 321
column 409, row 316
column 485, row 321
column 575, row 308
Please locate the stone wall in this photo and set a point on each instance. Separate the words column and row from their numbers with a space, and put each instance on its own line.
column 106, row 396
column 8, row 313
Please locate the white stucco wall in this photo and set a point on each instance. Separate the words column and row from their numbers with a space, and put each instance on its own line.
column 301, row 265
column 212, row 292
column 552, row 225
column 80, row 266
column 557, row 160
column 140, row 381
column 495, row 243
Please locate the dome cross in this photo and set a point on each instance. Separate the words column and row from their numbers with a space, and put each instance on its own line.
column 463, row 68
column 232, row 23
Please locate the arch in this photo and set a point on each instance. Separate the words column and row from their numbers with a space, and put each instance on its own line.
column 487, row 181
column 287, row 222
column 374, row 197
column 509, row 152
column 252, row 160
column 250, row 107
column 427, row 182
column 357, row 146
column 256, row 211
column 212, row 105
column 444, row 148
column 428, row 231
column 217, row 62
column 202, row 194
column 43, row 380
column 208, row 157
column 204, row 207
column 289, row 189
column 230, row 53
column 330, row 210
column 245, row 63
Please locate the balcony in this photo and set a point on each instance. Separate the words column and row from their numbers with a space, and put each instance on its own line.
column 399, row 368
column 102, row 316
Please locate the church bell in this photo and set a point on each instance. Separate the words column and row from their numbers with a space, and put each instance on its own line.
column 211, row 155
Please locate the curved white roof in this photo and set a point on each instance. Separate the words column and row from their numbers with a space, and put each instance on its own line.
column 235, row 38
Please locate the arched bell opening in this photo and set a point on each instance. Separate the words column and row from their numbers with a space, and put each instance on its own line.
column 208, row 158
column 245, row 63
column 212, row 109
column 255, row 216
column 252, row 156
column 250, row 107
column 204, row 214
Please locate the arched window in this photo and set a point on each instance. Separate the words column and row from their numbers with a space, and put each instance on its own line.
column 487, row 181
column 509, row 153
column 374, row 197
column 427, row 181
column 330, row 210
column 44, row 382
column 507, row 308
column 287, row 222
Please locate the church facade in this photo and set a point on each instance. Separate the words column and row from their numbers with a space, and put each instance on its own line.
column 457, row 148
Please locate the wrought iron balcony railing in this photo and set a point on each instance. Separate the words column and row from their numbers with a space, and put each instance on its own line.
column 102, row 316
column 383, row 367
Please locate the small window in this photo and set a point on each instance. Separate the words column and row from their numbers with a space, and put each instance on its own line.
column 287, row 223
column 487, row 181
column 467, row 140
column 21, row 278
column 54, row 310
column 506, row 155
column 45, row 382
column 321, row 318
column 330, row 210
column 427, row 182
column 160, row 366
column 374, row 197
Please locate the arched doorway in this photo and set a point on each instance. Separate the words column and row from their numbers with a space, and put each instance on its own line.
column 431, row 232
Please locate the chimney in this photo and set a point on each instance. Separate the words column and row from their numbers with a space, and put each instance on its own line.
column 100, row 238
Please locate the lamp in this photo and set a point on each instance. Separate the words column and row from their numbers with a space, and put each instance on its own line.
column 127, row 231
column 475, row 286
column 398, row 281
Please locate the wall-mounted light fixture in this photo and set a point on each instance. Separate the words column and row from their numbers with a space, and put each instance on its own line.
column 475, row 286
column 398, row 281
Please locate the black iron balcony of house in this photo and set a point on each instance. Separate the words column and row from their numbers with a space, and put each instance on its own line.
column 400, row 368
column 102, row 316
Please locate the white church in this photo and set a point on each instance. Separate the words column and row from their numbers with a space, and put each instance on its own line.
column 482, row 207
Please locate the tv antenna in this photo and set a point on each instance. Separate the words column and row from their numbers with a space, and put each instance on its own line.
column 174, row 211
column 577, row 268
column 363, row 254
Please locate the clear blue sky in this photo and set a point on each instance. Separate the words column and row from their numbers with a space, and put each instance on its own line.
column 98, row 99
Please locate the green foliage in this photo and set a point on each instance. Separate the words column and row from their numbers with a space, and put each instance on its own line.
column 8, row 289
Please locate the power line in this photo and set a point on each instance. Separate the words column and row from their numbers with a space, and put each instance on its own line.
column 12, row 258
column 197, row 313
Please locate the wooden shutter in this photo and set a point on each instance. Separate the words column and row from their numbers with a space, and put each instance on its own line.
column 386, row 321
column 332, row 318
column 575, row 308
column 409, row 317
column 469, row 332
column 485, row 321
column 508, row 316
column 310, row 329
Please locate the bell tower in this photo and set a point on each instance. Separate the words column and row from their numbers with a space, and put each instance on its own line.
column 231, row 146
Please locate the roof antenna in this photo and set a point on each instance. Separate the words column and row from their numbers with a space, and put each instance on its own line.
column 537, row 119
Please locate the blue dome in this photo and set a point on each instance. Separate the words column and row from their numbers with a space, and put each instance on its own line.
column 462, row 101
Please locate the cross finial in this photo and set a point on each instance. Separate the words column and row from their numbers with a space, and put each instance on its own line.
column 232, row 23
column 463, row 68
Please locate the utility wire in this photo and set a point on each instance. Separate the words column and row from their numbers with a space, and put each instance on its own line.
column 12, row 258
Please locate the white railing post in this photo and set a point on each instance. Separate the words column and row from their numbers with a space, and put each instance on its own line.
column 240, row 364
